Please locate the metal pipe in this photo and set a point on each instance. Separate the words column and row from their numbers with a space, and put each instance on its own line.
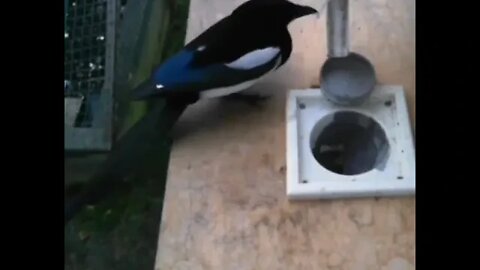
column 337, row 28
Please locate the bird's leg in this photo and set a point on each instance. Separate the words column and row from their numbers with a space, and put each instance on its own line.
column 251, row 99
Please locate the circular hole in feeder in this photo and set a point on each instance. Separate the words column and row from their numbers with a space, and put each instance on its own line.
column 304, row 181
column 301, row 106
column 349, row 143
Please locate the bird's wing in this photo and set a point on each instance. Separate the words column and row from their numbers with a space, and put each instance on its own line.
column 224, row 55
column 178, row 73
column 178, row 76
column 230, row 39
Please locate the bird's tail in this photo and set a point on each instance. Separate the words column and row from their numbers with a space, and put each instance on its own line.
column 128, row 153
column 147, row 89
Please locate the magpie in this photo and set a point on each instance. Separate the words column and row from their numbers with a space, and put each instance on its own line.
column 227, row 58
column 230, row 56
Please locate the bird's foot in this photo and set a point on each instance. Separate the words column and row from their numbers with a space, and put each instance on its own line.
column 251, row 99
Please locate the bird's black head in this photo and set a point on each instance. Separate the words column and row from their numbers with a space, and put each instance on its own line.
column 283, row 11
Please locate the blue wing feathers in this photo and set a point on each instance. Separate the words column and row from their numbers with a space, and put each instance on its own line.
column 177, row 74
column 175, row 70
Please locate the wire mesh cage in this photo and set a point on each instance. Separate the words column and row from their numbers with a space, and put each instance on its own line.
column 89, row 44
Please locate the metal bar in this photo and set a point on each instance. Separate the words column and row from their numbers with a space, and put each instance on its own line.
column 107, row 93
column 82, row 139
column 338, row 28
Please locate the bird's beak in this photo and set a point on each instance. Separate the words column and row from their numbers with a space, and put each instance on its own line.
column 305, row 10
